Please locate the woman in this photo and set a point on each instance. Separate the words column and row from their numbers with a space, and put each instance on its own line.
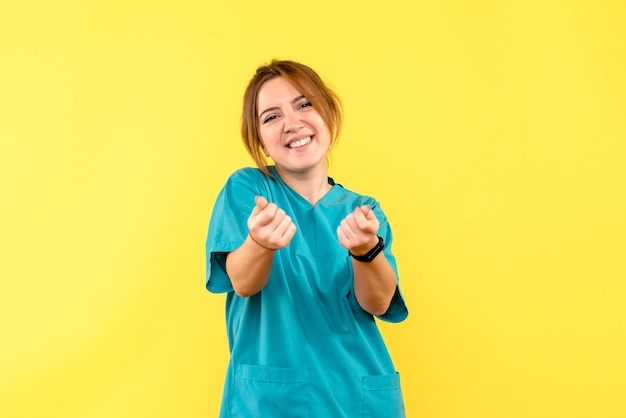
column 306, row 265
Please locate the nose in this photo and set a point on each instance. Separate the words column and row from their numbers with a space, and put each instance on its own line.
column 292, row 122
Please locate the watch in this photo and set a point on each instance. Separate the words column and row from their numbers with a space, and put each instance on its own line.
column 371, row 254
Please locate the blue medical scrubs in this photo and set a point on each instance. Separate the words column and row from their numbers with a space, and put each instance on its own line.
column 302, row 346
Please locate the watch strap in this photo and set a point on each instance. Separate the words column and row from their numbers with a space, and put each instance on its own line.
column 371, row 254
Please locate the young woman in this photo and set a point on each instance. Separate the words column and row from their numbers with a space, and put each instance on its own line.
column 306, row 265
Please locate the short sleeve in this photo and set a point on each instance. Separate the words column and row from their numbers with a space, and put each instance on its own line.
column 397, row 311
column 228, row 225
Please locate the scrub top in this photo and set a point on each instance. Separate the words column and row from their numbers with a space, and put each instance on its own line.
column 302, row 346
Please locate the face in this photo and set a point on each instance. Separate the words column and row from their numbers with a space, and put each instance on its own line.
column 292, row 132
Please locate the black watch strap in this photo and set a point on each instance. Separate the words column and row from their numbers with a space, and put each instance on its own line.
column 371, row 254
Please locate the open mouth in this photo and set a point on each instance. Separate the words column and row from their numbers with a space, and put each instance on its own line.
column 300, row 142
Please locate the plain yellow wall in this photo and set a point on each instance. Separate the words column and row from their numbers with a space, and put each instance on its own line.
column 492, row 132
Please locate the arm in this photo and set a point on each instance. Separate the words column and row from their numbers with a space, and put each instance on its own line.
column 248, row 267
column 374, row 282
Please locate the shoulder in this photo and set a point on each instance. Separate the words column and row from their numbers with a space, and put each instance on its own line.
column 250, row 181
column 246, row 173
column 248, row 177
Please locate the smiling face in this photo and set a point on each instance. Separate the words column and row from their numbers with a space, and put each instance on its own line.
column 307, row 83
column 292, row 132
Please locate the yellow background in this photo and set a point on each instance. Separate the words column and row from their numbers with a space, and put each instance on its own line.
column 492, row 132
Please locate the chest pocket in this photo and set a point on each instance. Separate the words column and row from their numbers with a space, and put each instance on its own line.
column 259, row 391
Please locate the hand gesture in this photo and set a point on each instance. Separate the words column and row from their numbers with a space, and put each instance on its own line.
column 269, row 226
column 357, row 231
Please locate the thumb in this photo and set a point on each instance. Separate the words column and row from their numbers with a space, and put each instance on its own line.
column 367, row 211
column 261, row 202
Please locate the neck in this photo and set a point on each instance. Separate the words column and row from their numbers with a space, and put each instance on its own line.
column 310, row 185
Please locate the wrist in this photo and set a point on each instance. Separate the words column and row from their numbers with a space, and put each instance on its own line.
column 259, row 244
column 374, row 249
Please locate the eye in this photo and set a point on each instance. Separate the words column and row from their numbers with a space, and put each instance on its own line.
column 305, row 105
column 269, row 119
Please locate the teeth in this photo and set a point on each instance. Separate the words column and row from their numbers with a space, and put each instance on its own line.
column 300, row 143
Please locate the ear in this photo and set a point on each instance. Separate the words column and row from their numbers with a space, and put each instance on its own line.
column 265, row 150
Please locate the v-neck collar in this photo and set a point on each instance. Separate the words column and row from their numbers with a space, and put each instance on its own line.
column 301, row 198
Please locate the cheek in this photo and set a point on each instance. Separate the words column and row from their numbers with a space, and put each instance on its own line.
column 264, row 136
column 318, row 122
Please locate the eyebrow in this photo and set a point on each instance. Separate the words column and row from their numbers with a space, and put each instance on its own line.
column 269, row 109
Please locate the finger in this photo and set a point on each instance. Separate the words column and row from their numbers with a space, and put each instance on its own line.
column 280, row 235
column 260, row 201
column 347, row 238
column 367, row 220
column 349, row 228
column 360, row 219
column 280, row 224
column 364, row 209
column 259, row 204
column 277, row 219
column 286, row 230
column 269, row 212
column 262, row 217
column 343, row 240
column 358, row 224
column 367, row 212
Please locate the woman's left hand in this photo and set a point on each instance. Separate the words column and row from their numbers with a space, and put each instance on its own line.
column 357, row 231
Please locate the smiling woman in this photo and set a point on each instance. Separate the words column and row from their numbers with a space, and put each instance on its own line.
column 306, row 265
column 292, row 132
column 311, row 92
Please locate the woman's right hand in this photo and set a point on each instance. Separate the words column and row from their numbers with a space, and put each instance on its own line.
column 269, row 226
